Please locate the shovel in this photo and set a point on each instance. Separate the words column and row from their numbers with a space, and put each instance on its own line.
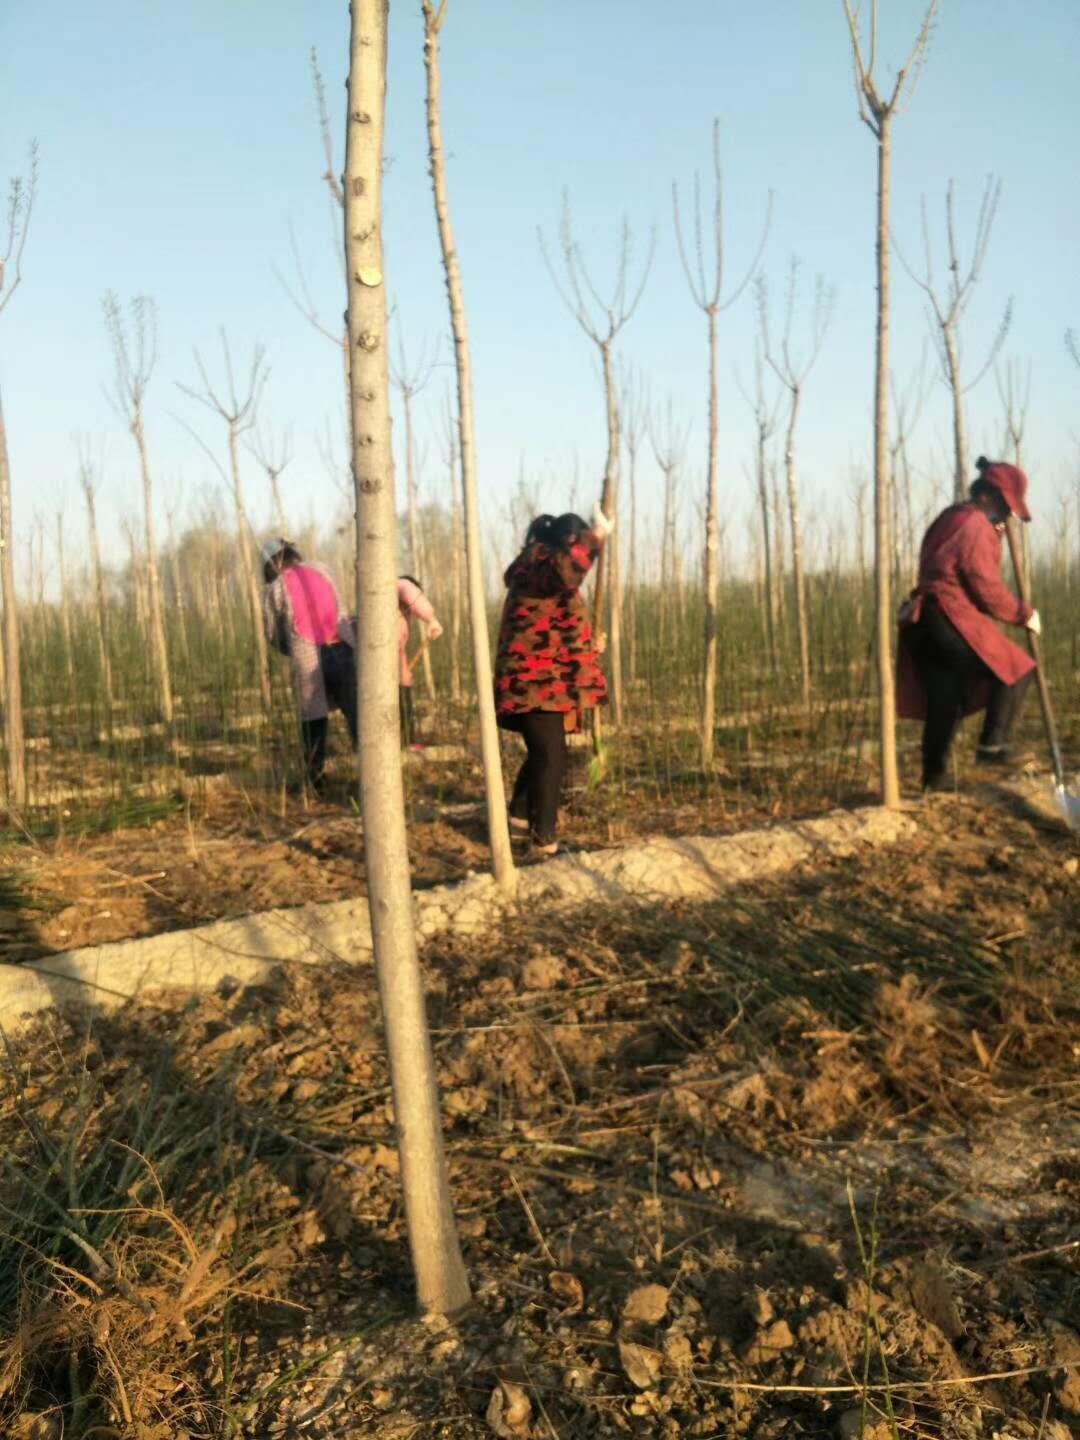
column 1068, row 804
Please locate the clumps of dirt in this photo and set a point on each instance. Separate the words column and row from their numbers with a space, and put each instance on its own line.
column 209, row 847
column 226, row 858
column 714, row 1165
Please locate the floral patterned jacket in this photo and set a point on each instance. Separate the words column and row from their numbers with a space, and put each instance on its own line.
column 547, row 658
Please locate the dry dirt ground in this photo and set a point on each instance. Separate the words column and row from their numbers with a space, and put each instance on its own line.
column 224, row 850
column 803, row 1161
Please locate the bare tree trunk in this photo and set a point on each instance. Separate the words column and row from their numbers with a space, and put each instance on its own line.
column 498, row 825
column 877, row 114
column 415, row 551
column 608, row 498
column 712, row 556
column 667, row 555
column 179, row 599
column 780, row 566
column 65, row 615
column 632, row 575
column 137, row 580
column 771, row 613
column 909, row 518
column 100, row 597
column 14, row 733
column 706, row 283
column 158, row 646
column 802, row 623
column 960, row 451
column 441, row 1282
column 884, row 619
column 36, row 637
column 456, row 546
column 246, row 574
column 615, row 628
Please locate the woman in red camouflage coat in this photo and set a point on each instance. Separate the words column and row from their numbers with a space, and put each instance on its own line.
column 547, row 670
column 953, row 659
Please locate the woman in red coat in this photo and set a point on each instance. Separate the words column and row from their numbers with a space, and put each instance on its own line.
column 547, row 669
column 953, row 660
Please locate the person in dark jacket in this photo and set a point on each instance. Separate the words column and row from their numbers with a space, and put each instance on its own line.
column 952, row 658
column 547, row 669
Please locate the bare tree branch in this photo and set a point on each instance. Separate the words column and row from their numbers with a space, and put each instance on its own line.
column 134, row 346
column 614, row 312
column 303, row 300
column 331, row 176
column 21, row 197
column 874, row 111
column 708, row 296
column 1014, row 390
column 783, row 363
column 238, row 412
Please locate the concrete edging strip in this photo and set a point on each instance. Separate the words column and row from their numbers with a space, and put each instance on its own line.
column 248, row 949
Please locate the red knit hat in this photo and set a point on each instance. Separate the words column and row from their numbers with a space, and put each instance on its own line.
column 1010, row 480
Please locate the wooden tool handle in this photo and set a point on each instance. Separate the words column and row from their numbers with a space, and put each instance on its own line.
column 1035, row 647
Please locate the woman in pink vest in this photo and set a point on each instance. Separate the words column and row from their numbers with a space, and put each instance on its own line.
column 306, row 620
column 952, row 658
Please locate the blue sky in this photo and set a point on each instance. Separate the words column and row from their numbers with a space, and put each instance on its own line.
column 179, row 144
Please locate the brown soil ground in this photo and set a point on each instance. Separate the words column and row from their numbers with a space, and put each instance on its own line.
column 788, row 1164
column 222, row 849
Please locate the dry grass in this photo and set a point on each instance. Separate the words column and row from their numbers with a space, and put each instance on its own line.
column 834, row 1120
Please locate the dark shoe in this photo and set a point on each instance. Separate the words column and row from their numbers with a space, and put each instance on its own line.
column 937, row 785
column 1004, row 757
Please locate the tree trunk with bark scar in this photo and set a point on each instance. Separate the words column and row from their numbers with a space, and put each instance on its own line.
column 441, row 1282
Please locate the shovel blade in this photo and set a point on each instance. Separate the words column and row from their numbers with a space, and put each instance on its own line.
column 1069, row 805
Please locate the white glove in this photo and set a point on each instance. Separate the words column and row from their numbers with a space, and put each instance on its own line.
column 1033, row 623
column 434, row 630
column 601, row 524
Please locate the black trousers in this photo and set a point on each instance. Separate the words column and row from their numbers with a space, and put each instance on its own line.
column 338, row 665
column 406, row 715
column 538, row 787
column 949, row 668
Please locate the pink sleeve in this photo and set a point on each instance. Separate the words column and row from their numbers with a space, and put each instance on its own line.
column 980, row 571
column 413, row 601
